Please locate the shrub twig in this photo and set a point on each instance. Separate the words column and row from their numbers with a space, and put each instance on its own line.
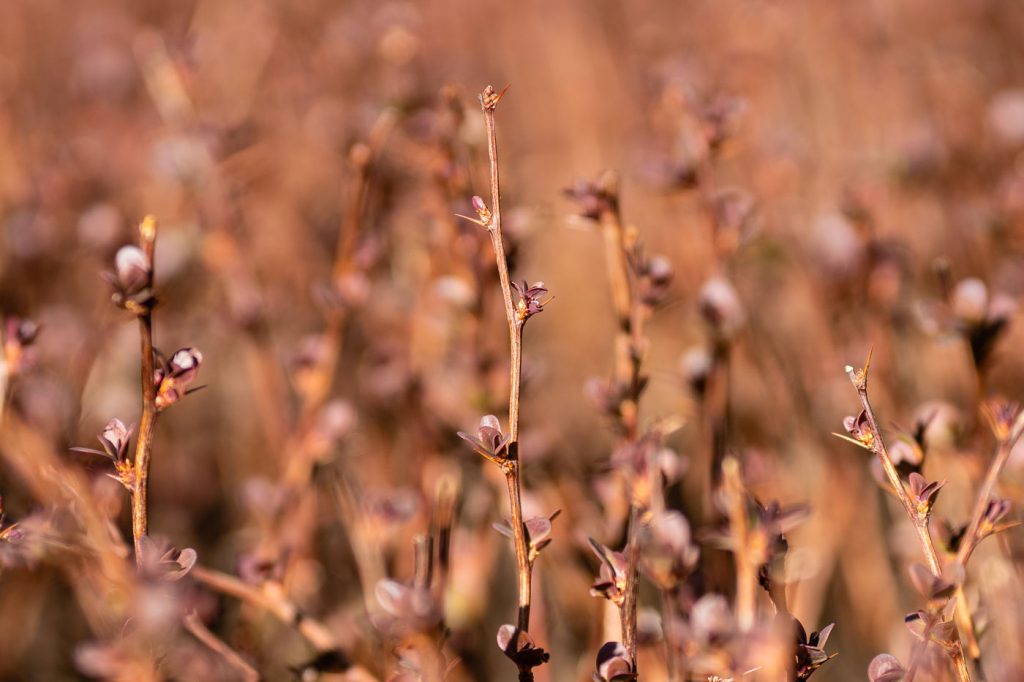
column 918, row 517
column 511, row 466
column 147, row 423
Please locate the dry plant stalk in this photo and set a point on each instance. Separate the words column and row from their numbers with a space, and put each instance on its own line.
column 272, row 599
column 489, row 101
column 918, row 517
column 147, row 423
column 746, row 567
column 510, row 466
column 628, row 357
column 194, row 624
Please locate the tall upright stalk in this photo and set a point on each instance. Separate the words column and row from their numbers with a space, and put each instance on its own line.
column 859, row 379
column 628, row 358
column 144, row 444
column 511, row 467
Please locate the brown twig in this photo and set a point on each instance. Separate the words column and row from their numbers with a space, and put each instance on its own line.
column 669, row 610
column 629, row 314
column 272, row 599
column 859, row 379
column 144, row 444
column 195, row 625
column 511, row 467
column 971, row 539
column 739, row 528
column 1003, row 449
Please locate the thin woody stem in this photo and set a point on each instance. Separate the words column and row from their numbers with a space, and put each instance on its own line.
column 194, row 625
column 668, row 617
column 859, row 379
column 272, row 600
column 627, row 614
column 144, row 444
column 1002, row 454
column 970, row 538
column 511, row 468
column 629, row 317
column 920, row 521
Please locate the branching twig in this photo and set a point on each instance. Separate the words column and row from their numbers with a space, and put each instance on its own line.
column 195, row 626
column 919, row 518
column 1003, row 449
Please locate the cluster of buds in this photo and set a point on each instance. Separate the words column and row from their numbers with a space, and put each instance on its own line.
column 1005, row 418
column 668, row 553
column 923, row 493
column 520, row 647
column 531, row 299
column 885, row 668
column 611, row 581
column 160, row 561
column 720, row 117
column 764, row 542
column 489, row 442
column 483, row 214
column 538, row 533
column 490, row 97
column 614, row 664
column 860, row 431
column 408, row 608
column 115, row 439
column 703, row 126
column 992, row 520
column 9, row 533
column 721, row 308
column 595, row 198
column 18, row 335
column 929, row 624
column 132, row 280
column 173, row 376
column 654, row 276
column 810, row 649
column 972, row 311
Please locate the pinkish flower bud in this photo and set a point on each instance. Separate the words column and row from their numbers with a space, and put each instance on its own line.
column 721, row 307
column 132, row 268
column 970, row 300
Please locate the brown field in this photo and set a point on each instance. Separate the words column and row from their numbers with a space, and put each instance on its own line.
column 713, row 216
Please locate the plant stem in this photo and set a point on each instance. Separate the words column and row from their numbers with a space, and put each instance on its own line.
column 144, row 443
column 627, row 613
column 489, row 101
column 668, row 617
column 739, row 529
column 1003, row 449
column 194, row 625
column 271, row 599
column 920, row 521
column 629, row 314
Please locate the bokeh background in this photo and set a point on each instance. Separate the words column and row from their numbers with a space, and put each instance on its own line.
column 879, row 144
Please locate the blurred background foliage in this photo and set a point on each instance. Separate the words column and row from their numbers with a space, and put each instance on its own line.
column 879, row 142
